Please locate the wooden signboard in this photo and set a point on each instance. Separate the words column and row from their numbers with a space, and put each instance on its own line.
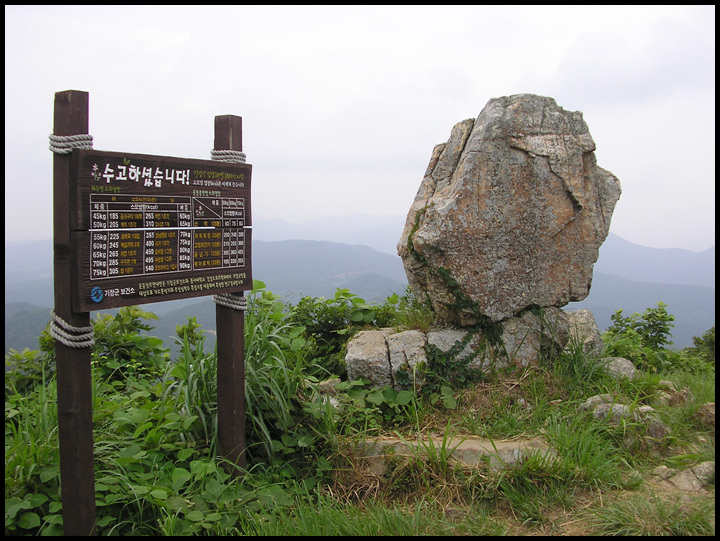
column 132, row 229
column 155, row 228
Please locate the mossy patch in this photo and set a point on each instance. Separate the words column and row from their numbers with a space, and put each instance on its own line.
column 491, row 330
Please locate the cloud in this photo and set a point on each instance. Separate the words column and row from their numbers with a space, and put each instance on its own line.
column 609, row 69
column 342, row 105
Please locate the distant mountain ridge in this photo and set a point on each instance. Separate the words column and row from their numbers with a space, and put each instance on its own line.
column 627, row 276
column 316, row 268
column 381, row 233
column 625, row 259
column 617, row 256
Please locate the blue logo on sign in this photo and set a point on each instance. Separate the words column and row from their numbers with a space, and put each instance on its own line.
column 96, row 294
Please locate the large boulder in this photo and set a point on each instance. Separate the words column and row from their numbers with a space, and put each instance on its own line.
column 510, row 214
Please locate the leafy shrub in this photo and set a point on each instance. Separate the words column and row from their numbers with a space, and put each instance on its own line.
column 410, row 313
column 652, row 326
column 641, row 338
column 329, row 323
column 23, row 369
column 121, row 352
column 155, row 423
column 704, row 346
column 366, row 407
column 701, row 356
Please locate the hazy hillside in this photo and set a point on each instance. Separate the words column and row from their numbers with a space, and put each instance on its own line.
column 290, row 269
column 618, row 256
column 23, row 324
column 381, row 233
column 661, row 266
column 316, row 268
column 692, row 306
column 627, row 276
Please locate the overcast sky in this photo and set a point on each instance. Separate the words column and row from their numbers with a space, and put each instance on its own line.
column 342, row 106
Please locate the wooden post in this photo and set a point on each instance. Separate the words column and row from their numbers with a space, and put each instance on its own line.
column 230, row 340
column 74, row 384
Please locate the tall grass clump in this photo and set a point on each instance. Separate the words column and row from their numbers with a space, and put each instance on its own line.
column 31, row 443
column 586, row 449
column 190, row 388
column 277, row 429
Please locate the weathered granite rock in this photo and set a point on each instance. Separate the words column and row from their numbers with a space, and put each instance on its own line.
column 596, row 400
column 614, row 413
column 619, row 367
column 655, row 428
column 706, row 415
column 691, row 480
column 584, row 331
column 407, row 352
column 379, row 355
column 522, row 339
column 529, row 335
column 367, row 357
column 510, row 214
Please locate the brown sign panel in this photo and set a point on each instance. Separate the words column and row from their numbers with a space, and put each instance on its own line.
column 156, row 228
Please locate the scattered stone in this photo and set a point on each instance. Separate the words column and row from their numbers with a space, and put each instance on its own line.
column 681, row 397
column 656, row 429
column 596, row 400
column 706, row 415
column 674, row 397
column 690, row 480
column 583, row 330
column 663, row 472
column 471, row 451
column 619, row 367
column 367, row 357
column 614, row 413
column 379, row 355
column 662, row 398
column 705, row 471
column 687, row 481
column 647, row 429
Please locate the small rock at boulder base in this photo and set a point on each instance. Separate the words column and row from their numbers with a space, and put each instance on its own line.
column 510, row 215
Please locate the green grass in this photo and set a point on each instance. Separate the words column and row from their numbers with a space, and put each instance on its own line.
column 649, row 515
column 327, row 517
column 157, row 471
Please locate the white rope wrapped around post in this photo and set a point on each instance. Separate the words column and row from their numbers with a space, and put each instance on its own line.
column 61, row 330
column 232, row 156
column 231, row 301
column 72, row 337
column 63, row 144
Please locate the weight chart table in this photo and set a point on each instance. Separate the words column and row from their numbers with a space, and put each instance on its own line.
column 135, row 235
